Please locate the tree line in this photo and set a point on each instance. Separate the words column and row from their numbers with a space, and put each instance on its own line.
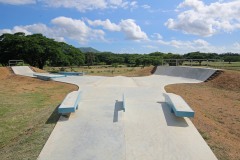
column 38, row 50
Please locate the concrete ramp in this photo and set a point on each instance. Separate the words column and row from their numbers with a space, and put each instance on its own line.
column 27, row 71
column 23, row 70
column 201, row 74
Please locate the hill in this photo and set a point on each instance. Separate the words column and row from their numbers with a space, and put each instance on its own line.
column 88, row 49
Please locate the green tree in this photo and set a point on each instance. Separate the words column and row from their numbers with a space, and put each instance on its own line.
column 196, row 56
column 37, row 50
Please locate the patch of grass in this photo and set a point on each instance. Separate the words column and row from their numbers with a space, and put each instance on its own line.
column 114, row 70
column 205, row 135
column 28, row 115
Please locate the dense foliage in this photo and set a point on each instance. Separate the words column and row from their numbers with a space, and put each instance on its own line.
column 38, row 50
column 155, row 58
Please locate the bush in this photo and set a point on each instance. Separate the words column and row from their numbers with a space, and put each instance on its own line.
column 102, row 63
column 115, row 65
column 62, row 69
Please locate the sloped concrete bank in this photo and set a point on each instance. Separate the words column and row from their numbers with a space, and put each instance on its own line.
column 201, row 74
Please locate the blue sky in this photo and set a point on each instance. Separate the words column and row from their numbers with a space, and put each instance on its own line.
column 124, row 26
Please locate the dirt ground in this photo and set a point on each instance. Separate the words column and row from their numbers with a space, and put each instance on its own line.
column 146, row 71
column 217, row 107
column 27, row 113
column 35, row 69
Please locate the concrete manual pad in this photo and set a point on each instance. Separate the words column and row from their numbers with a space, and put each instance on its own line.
column 147, row 130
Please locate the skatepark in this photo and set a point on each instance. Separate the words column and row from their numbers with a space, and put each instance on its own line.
column 100, row 129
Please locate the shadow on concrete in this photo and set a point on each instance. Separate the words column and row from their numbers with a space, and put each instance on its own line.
column 64, row 117
column 170, row 118
column 118, row 107
column 54, row 117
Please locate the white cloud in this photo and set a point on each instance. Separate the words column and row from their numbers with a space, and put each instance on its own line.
column 76, row 30
column 63, row 28
column 145, row 6
column 84, row 5
column 129, row 27
column 18, row 2
column 198, row 44
column 156, row 36
column 236, row 46
column 133, row 4
column 107, row 24
column 206, row 20
column 132, row 30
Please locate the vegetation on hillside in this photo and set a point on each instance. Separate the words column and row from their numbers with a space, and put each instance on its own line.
column 39, row 51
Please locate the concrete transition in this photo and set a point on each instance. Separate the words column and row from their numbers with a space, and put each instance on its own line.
column 147, row 130
column 201, row 74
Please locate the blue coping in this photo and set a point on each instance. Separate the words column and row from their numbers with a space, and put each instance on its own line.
column 48, row 77
column 174, row 110
column 124, row 105
column 69, row 109
column 183, row 113
column 72, row 73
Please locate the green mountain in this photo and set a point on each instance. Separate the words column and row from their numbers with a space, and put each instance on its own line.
column 88, row 49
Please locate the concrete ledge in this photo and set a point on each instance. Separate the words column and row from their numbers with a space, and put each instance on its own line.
column 178, row 105
column 47, row 77
column 70, row 103
column 72, row 73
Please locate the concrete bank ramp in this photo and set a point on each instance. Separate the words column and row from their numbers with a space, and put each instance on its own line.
column 23, row 70
column 27, row 71
column 201, row 74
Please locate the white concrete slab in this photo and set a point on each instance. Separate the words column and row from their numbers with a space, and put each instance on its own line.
column 94, row 132
column 152, row 132
column 23, row 70
column 100, row 130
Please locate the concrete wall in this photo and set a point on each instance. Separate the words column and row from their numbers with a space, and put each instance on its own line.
column 201, row 74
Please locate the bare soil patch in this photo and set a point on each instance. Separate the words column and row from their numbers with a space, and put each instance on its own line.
column 217, row 107
column 35, row 69
column 146, row 71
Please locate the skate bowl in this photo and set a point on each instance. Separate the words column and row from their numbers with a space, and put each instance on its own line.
column 201, row 74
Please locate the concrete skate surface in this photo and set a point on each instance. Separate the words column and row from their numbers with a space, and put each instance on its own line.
column 100, row 130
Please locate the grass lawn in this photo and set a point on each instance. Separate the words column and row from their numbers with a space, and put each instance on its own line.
column 27, row 114
column 105, row 70
column 219, row 65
